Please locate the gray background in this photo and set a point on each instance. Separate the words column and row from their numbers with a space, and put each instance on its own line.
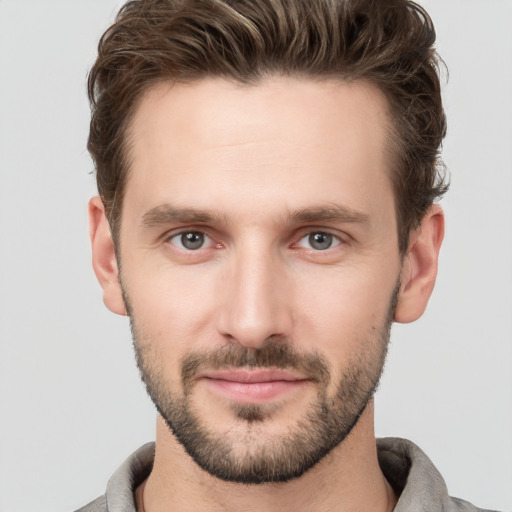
column 71, row 406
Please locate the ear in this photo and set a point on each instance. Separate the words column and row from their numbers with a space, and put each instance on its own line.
column 419, row 269
column 104, row 259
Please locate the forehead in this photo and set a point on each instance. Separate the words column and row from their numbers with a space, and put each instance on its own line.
column 279, row 142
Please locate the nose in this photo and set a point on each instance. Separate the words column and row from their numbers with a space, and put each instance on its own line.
column 256, row 300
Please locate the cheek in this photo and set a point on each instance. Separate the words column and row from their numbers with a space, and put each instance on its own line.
column 343, row 311
column 171, row 306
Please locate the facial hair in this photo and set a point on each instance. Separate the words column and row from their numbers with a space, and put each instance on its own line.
column 326, row 422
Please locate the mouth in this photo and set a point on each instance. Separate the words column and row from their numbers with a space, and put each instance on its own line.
column 253, row 386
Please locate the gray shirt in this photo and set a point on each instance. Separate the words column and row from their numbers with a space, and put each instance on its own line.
column 416, row 481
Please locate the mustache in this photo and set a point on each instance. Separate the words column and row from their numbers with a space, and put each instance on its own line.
column 274, row 354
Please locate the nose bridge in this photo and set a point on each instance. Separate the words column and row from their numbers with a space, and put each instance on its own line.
column 255, row 297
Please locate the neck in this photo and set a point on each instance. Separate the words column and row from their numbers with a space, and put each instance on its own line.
column 347, row 479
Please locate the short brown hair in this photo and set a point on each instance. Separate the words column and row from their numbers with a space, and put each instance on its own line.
column 388, row 43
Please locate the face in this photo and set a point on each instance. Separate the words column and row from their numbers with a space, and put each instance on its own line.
column 260, row 266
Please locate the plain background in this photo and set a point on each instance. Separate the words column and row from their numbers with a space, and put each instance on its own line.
column 71, row 405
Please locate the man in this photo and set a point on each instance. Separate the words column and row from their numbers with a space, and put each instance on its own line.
column 267, row 173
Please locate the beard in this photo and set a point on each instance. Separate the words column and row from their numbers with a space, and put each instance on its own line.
column 253, row 457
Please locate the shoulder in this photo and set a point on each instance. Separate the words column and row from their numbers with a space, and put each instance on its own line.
column 416, row 481
column 98, row 505
column 122, row 484
column 458, row 505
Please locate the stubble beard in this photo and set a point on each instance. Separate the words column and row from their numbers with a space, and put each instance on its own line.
column 326, row 423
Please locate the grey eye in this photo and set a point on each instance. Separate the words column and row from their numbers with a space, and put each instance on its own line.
column 189, row 240
column 192, row 240
column 320, row 241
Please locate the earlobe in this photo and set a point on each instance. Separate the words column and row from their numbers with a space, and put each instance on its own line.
column 104, row 259
column 419, row 269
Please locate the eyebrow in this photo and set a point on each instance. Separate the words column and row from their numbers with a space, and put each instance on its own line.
column 331, row 213
column 168, row 214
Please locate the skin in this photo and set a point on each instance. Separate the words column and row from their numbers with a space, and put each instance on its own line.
column 252, row 157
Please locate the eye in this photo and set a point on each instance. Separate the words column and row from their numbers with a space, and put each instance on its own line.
column 191, row 240
column 319, row 241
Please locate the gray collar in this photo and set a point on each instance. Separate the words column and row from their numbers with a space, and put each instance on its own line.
column 409, row 471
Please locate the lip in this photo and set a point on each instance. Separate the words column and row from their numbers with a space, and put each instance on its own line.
column 253, row 386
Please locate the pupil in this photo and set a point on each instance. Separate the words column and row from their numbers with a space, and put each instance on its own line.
column 320, row 241
column 192, row 240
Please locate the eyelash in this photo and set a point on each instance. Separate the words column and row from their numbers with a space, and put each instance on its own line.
column 334, row 240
